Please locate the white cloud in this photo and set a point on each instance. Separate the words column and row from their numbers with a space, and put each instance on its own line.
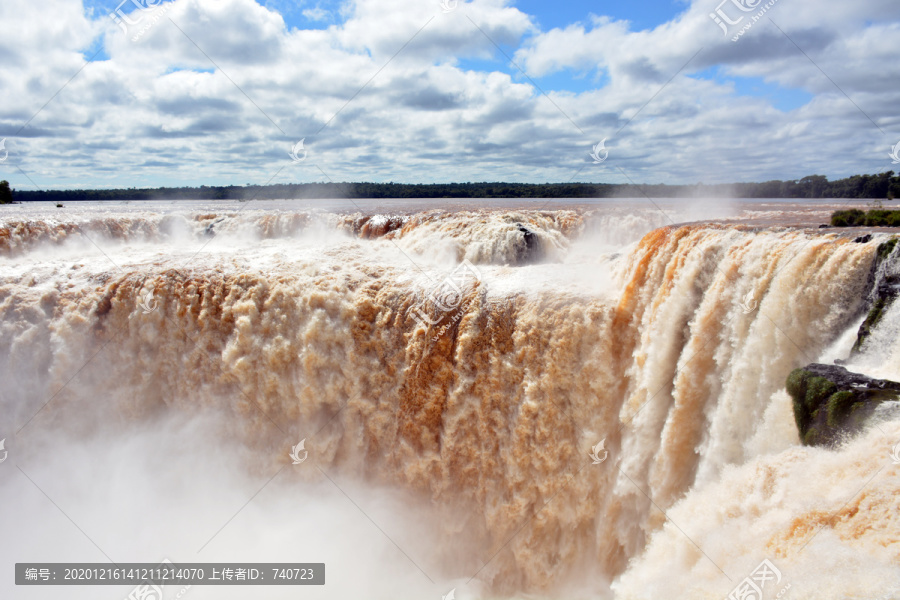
column 316, row 14
column 152, row 113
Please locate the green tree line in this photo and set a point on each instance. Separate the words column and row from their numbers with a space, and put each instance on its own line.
column 879, row 186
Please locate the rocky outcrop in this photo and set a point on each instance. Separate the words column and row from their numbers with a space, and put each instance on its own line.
column 532, row 249
column 884, row 286
column 831, row 402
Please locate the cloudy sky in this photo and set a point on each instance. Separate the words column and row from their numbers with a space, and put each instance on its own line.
column 216, row 92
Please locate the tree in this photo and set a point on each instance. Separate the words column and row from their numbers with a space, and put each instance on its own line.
column 813, row 186
column 5, row 193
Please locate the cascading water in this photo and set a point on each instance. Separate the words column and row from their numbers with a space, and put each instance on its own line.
column 186, row 352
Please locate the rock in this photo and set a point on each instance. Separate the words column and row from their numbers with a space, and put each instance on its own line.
column 824, row 226
column 532, row 251
column 831, row 402
column 863, row 239
column 884, row 286
column 210, row 231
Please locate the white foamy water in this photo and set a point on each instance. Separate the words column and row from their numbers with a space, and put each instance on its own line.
column 161, row 360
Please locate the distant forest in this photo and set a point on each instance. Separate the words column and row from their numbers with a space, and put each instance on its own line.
column 880, row 186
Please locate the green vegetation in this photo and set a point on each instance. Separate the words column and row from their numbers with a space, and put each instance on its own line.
column 878, row 186
column 809, row 392
column 839, row 407
column 848, row 218
column 5, row 193
column 883, row 299
column 885, row 248
column 872, row 319
column 826, row 410
column 872, row 218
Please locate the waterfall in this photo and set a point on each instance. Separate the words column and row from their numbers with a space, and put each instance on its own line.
column 468, row 419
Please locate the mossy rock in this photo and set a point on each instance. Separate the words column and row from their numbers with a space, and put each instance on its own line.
column 840, row 406
column 811, row 438
column 809, row 392
column 831, row 403
column 885, row 248
column 872, row 319
column 886, row 286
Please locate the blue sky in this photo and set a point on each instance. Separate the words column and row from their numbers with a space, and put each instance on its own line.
column 642, row 15
column 218, row 91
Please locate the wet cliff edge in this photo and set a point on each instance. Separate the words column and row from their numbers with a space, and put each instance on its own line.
column 830, row 402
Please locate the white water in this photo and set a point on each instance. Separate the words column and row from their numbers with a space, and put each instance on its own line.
column 433, row 460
